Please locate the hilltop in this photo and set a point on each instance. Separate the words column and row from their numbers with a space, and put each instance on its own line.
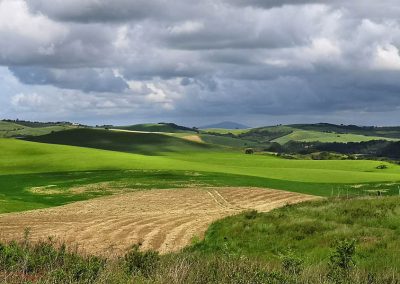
column 157, row 127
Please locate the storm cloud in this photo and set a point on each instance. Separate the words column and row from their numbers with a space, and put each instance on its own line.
column 200, row 61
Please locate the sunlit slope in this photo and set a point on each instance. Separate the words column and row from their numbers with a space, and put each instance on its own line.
column 29, row 157
column 311, row 133
column 313, row 136
column 10, row 129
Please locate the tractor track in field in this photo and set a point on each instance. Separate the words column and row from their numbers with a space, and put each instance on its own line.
column 165, row 220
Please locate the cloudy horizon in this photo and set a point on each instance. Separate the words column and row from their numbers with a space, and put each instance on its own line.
column 256, row 62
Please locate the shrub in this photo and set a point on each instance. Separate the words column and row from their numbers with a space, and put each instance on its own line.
column 249, row 151
column 292, row 264
column 251, row 214
column 382, row 167
column 342, row 261
column 144, row 263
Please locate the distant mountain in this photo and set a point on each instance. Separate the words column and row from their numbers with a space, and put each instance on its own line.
column 225, row 125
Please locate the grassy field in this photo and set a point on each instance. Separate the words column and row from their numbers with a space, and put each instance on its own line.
column 293, row 244
column 310, row 231
column 29, row 157
column 227, row 141
column 389, row 132
column 310, row 133
column 313, row 136
column 24, row 165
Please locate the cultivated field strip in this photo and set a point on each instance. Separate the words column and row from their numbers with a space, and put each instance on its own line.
column 164, row 220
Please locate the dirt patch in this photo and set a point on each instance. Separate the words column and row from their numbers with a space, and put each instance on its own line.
column 193, row 138
column 163, row 220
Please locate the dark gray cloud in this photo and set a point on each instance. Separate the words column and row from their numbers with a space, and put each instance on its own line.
column 87, row 80
column 116, row 11
column 206, row 59
column 97, row 11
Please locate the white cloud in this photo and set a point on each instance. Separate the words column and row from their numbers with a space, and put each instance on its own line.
column 187, row 27
column 24, row 35
column 28, row 101
column 387, row 58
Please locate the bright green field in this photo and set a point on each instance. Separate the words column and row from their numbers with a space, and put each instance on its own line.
column 312, row 136
column 29, row 157
column 142, row 160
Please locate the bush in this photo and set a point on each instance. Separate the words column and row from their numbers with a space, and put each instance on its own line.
column 382, row 167
column 292, row 264
column 251, row 214
column 342, row 261
column 144, row 263
column 36, row 259
column 249, row 151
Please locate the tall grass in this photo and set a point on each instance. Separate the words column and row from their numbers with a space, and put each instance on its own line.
column 331, row 241
column 44, row 262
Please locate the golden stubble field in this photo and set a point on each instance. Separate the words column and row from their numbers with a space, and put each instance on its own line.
column 164, row 220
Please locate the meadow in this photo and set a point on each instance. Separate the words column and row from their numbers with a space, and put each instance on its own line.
column 294, row 244
column 312, row 136
column 140, row 160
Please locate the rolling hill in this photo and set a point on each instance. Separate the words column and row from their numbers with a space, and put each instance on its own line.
column 131, row 142
column 326, row 137
column 13, row 129
column 310, row 133
column 157, row 127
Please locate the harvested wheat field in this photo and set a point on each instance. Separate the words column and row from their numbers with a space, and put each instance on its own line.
column 163, row 220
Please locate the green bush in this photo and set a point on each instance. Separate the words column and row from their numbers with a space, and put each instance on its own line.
column 143, row 263
column 251, row 214
column 292, row 264
column 341, row 262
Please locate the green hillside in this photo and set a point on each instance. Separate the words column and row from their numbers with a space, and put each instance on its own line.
column 227, row 141
column 25, row 164
column 29, row 157
column 11, row 129
column 325, row 137
column 130, row 160
column 156, row 127
column 225, row 131
column 310, row 232
column 131, row 142
column 389, row 132
column 310, row 133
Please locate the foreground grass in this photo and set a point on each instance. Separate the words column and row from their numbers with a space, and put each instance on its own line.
column 309, row 231
column 331, row 241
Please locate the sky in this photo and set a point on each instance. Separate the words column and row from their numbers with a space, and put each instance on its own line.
column 195, row 62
